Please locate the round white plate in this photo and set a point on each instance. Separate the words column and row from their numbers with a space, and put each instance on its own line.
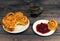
column 42, row 21
column 18, row 28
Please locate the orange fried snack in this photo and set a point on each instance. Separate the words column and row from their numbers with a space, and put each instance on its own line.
column 18, row 15
column 21, row 19
column 52, row 24
column 9, row 21
column 12, row 19
column 24, row 20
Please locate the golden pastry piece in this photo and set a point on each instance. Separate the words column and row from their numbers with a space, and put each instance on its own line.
column 19, row 15
column 23, row 21
column 9, row 21
column 12, row 19
column 9, row 14
column 52, row 24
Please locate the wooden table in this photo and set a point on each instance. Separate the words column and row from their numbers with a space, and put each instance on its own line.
column 51, row 10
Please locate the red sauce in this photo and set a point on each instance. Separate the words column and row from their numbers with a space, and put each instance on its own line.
column 42, row 28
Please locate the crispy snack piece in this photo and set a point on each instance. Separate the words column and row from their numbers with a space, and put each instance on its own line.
column 9, row 14
column 9, row 21
column 18, row 15
column 21, row 19
column 25, row 20
column 52, row 24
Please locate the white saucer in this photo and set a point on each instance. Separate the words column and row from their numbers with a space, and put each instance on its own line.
column 42, row 21
column 18, row 28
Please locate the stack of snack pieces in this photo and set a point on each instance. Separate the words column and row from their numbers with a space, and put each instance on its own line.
column 13, row 19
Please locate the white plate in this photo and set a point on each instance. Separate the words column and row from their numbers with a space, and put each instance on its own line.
column 18, row 28
column 42, row 21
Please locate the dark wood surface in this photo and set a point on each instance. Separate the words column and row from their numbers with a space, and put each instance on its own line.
column 51, row 10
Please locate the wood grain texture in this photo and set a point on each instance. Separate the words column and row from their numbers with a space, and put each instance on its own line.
column 29, row 35
column 51, row 10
